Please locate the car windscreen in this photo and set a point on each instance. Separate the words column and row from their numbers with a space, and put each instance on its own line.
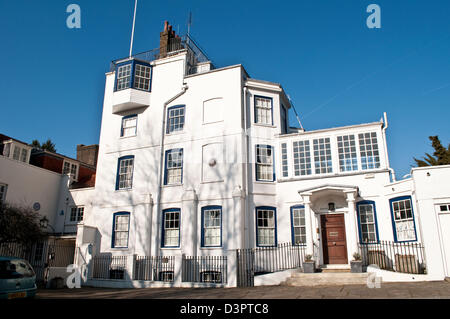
column 15, row 268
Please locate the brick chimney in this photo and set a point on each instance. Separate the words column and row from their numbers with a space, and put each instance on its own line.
column 87, row 154
column 168, row 41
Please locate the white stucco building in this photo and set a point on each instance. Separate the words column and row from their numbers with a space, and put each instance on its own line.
column 200, row 161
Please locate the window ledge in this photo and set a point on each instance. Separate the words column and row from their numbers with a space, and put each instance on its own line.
column 209, row 182
column 170, row 248
column 125, row 137
column 265, row 125
column 171, row 185
column 176, row 133
column 264, row 182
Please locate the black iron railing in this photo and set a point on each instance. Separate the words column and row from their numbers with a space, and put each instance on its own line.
column 398, row 257
column 205, row 269
column 154, row 268
column 195, row 54
column 109, row 267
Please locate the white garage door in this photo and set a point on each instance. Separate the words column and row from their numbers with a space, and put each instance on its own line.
column 444, row 229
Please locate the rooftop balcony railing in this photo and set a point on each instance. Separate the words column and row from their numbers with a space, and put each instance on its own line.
column 176, row 45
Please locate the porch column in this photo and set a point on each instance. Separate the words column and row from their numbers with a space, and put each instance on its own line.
column 351, row 225
column 308, row 223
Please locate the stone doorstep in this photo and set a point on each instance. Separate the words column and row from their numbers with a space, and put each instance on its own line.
column 327, row 279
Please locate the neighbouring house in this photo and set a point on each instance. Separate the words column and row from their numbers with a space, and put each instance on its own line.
column 44, row 181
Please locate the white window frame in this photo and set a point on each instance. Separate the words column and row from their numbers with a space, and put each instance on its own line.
column 367, row 218
column 301, row 153
column 76, row 214
column 70, row 168
column 368, row 145
column 123, row 77
column 266, row 227
column 298, row 223
column 323, row 159
column 174, row 167
column 263, row 110
column 284, row 160
column 212, row 231
column 142, row 74
column 264, row 163
column 172, row 227
column 175, row 119
column 347, row 154
column 405, row 228
column 16, row 153
column 129, row 126
column 125, row 173
column 122, row 227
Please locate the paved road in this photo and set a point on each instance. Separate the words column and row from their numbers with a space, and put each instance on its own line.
column 437, row 289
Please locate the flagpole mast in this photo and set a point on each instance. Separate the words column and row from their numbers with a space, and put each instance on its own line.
column 132, row 31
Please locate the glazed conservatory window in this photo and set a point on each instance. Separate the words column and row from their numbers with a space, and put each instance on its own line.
column 403, row 219
column 125, row 172
column 175, row 119
column 129, row 126
column 212, row 226
column 265, row 221
column 263, row 110
column 123, row 77
column 347, row 153
column 367, row 222
column 142, row 77
column 121, row 230
column 302, row 158
column 171, row 231
column 284, row 160
column 368, row 146
column 322, row 156
column 264, row 163
column 298, row 226
column 174, row 167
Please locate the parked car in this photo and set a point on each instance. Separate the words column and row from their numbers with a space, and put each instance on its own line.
column 17, row 278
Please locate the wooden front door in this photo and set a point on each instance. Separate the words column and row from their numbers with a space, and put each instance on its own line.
column 333, row 239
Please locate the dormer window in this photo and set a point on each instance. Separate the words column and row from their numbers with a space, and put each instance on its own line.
column 133, row 74
column 71, row 168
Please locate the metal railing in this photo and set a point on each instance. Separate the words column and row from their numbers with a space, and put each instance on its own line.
column 262, row 260
column 205, row 269
column 195, row 54
column 398, row 257
column 109, row 267
column 282, row 257
column 154, row 268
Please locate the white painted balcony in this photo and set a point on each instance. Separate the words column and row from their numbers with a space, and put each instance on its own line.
column 129, row 99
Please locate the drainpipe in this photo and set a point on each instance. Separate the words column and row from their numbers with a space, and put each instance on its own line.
column 161, row 165
column 246, row 208
column 385, row 126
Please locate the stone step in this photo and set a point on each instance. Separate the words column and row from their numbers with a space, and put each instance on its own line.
column 326, row 279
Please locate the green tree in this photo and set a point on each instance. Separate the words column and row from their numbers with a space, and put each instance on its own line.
column 19, row 225
column 48, row 145
column 441, row 155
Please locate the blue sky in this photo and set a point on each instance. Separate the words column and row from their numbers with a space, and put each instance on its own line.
column 337, row 71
